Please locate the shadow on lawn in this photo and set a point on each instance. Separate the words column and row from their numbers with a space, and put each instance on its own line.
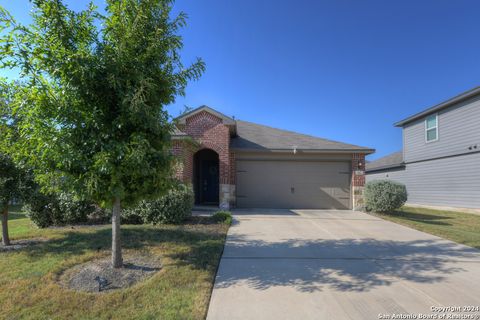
column 423, row 218
column 202, row 244
column 353, row 265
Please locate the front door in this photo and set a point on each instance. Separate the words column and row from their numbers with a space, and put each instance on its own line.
column 208, row 182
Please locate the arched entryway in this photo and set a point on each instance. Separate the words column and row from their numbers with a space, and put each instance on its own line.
column 206, row 177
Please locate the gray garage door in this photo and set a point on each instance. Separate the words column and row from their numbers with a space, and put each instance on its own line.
column 293, row 184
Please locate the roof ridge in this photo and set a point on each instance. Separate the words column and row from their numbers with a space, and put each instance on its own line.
column 440, row 106
column 303, row 134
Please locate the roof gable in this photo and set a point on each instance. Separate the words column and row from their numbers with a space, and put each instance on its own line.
column 225, row 119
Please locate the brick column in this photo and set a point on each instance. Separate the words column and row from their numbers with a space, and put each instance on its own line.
column 228, row 187
column 358, row 180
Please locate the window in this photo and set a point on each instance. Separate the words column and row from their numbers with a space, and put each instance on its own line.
column 431, row 128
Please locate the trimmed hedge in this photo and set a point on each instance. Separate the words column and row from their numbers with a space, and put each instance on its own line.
column 172, row 208
column 384, row 195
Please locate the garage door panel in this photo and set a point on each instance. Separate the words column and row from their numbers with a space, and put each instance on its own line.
column 293, row 184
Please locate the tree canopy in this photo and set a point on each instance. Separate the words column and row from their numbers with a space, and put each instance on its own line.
column 92, row 92
column 91, row 95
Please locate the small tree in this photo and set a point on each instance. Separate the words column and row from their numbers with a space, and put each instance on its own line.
column 15, row 183
column 9, row 182
column 92, row 96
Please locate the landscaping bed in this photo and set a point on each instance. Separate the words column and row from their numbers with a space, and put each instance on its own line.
column 178, row 287
column 98, row 275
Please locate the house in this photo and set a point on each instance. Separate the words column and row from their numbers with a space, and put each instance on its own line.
column 440, row 160
column 237, row 163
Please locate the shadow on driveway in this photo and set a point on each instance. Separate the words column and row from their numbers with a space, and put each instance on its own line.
column 342, row 265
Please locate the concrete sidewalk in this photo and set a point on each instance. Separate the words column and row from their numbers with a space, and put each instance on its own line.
column 314, row 264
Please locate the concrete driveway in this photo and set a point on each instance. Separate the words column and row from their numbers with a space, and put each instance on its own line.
column 315, row 264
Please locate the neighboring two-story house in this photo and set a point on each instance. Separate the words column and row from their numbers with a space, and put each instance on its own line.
column 440, row 161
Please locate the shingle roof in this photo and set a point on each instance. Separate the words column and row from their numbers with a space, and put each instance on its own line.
column 393, row 160
column 461, row 97
column 256, row 137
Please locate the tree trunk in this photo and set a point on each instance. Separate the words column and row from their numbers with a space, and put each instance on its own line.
column 117, row 261
column 5, row 238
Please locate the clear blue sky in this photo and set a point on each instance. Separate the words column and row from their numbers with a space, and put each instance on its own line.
column 340, row 69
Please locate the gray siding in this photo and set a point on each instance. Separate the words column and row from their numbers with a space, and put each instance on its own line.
column 453, row 181
column 458, row 129
column 391, row 174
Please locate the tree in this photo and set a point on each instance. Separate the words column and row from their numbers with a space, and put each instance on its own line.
column 15, row 183
column 9, row 188
column 92, row 96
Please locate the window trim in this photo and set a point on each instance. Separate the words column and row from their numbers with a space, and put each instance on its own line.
column 435, row 127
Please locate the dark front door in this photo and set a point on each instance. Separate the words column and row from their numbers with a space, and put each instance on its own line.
column 208, row 182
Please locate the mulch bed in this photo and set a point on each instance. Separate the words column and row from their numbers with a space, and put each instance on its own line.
column 98, row 276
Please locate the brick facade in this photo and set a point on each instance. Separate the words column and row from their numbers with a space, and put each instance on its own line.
column 184, row 167
column 207, row 131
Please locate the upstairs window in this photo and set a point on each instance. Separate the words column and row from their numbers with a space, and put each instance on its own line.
column 431, row 128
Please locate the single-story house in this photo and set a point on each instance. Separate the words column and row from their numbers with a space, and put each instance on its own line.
column 233, row 163
column 440, row 160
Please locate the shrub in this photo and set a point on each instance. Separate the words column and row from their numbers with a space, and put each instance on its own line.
column 132, row 216
column 99, row 215
column 384, row 195
column 39, row 209
column 62, row 209
column 72, row 211
column 173, row 207
column 48, row 210
column 222, row 217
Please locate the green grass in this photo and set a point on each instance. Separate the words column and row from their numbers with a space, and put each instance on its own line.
column 19, row 225
column 190, row 254
column 456, row 226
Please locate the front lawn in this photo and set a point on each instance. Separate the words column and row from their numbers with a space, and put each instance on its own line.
column 456, row 226
column 189, row 254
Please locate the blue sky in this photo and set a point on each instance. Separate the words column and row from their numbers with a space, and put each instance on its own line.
column 340, row 69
